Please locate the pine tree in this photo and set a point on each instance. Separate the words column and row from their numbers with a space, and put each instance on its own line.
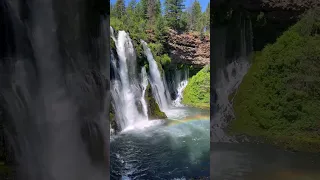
column 160, row 31
column 154, row 10
column 173, row 13
column 151, row 11
column 207, row 19
column 119, row 9
column 196, row 20
column 144, row 8
column 131, row 6
column 158, row 9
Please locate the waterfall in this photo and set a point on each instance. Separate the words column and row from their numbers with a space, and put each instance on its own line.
column 144, row 84
column 180, row 83
column 53, row 89
column 157, row 82
column 125, row 87
column 230, row 67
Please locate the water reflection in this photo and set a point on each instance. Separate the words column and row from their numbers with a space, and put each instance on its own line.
column 261, row 162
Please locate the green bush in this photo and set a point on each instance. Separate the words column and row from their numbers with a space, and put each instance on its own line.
column 279, row 98
column 156, row 48
column 165, row 60
column 197, row 92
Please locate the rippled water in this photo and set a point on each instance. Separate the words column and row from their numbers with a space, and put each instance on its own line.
column 166, row 149
column 261, row 162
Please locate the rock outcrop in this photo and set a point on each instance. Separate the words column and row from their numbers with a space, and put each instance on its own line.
column 189, row 48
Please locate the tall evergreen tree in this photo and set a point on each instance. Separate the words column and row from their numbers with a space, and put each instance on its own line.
column 196, row 21
column 173, row 13
column 207, row 18
column 151, row 11
column 119, row 9
column 158, row 8
column 154, row 10
column 131, row 6
column 160, row 30
column 144, row 8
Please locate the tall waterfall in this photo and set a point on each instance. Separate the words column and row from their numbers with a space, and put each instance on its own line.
column 53, row 79
column 157, row 82
column 128, row 85
column 126, row 89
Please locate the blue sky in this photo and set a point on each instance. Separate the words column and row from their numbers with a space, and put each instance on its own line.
column 187, row 3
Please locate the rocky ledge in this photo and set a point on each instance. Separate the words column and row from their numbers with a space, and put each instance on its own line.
column 189, row 48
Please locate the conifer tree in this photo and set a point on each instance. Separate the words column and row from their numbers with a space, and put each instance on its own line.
column 119, row 9
column 173, row 13
column 196, row 21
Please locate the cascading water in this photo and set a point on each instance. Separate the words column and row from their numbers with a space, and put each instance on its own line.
column 157, row 82
column 181, row 76
column 229, row 70
column 53, row 89
column 155, row 139
column 125, row 87
column 144, row 85
column 182, row 85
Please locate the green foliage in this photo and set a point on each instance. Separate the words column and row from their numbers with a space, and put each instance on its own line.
column 279, row 97
column 113, row 123
column 119, row 9
column 156, row 48
column 154, row 10
column 165, row 60
column 154, row 111
column 196, row 23
column 173, row 12
column 197, row 92
column 160, row 30
column 206, row 18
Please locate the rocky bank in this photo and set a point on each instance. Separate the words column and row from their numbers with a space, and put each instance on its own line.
column 189, row 48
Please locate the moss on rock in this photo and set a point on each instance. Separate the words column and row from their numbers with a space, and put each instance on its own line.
column 279, row 97
column 154, row 111
column 197, row 92
column 113, row 123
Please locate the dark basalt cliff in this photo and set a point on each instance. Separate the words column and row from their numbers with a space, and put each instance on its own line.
column 189, row 48
column 270, row 18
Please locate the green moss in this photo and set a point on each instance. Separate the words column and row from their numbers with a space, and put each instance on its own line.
column 165, row 60
column 197, row 92
column 156, row 48
column 279, row 97
column 113, row 122
column 154, row 111
column 112, row 44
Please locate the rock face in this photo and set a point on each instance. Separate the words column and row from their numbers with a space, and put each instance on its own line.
column 154, row 111
column 189, row 48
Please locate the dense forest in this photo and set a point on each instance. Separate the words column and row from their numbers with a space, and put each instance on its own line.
column 159, row 24
column 150, row 20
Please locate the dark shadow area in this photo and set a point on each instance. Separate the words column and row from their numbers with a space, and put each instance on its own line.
column 253, row 46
